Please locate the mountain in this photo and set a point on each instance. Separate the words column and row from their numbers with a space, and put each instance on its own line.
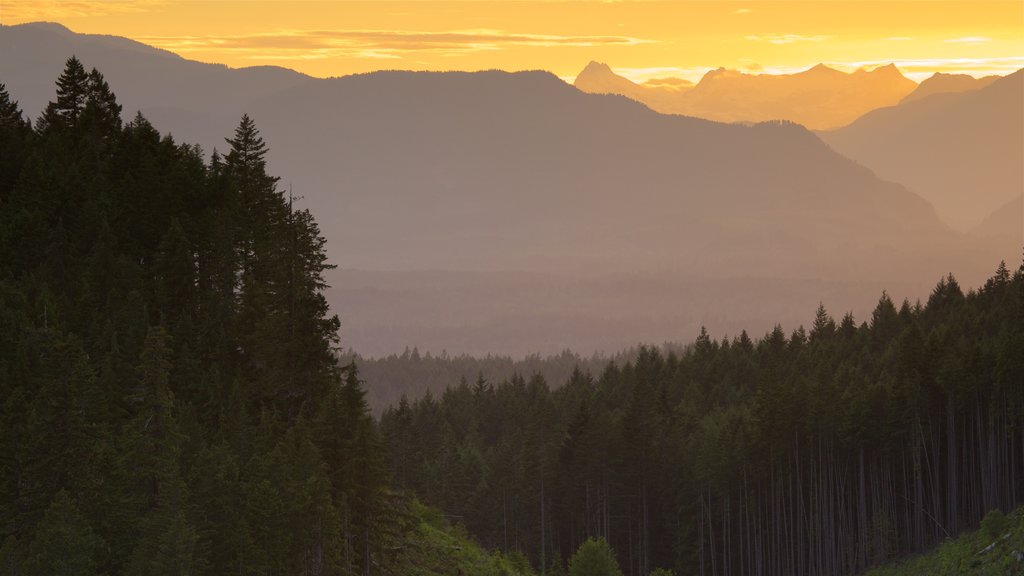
column 168, row 87
column 819, row 98
column 940, row 83
column 497, row 212
column 661, row 94
column 1006, row 221
column 961, row 151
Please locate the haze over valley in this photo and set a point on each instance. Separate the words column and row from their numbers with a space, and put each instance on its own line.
column 493, row 211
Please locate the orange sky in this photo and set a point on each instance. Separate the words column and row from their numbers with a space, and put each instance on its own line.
column 638, row 39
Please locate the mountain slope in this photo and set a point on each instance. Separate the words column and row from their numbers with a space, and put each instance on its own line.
column 819, row 98
column 980, row 553
column 940, row 83
column 582, row 202
column 1007, row 221
column 961, row 151
column 161, row 82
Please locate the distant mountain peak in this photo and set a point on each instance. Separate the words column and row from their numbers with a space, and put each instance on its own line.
column 889, row 69
column 599, row 77
column 595, row 67
column 720, row 72
column 597, row 71
column 45, row 25
column 822, row 67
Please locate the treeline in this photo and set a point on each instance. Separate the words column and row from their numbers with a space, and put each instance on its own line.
column 170, row 398
column 821, row 451
column 412, row 374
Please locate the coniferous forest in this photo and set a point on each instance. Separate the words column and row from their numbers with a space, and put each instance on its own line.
column 816, row 452
column 171, row 404
column 172, row 401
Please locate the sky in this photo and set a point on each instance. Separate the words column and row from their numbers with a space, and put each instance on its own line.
column 638, row 39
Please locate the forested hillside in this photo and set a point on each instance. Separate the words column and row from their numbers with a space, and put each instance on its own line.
column 821, row 451
column 170, row 398
column 412, row 374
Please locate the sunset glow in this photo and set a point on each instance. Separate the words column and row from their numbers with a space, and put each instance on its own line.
column 640, row 40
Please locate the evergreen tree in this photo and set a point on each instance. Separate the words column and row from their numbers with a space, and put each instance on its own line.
column 72, row 95
column 594, row 558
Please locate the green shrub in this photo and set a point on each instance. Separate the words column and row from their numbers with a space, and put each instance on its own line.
column 594, row 558
column 994, row 524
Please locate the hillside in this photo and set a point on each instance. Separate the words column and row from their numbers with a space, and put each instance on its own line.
column 819, row 98
column 961, row 151
column 997, row 549
column 431, row 546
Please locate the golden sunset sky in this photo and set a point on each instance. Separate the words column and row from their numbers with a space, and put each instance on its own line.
column 640, row 39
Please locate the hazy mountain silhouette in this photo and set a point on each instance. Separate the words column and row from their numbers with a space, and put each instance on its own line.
column 940, row 83
column 661, row 95
column 509, row 212
column 1006, row 221
column 819, row 98
column 962, row 151
column 167, row 86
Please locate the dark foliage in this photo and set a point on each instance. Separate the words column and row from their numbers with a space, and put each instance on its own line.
column 810, row 453
column 169, row 397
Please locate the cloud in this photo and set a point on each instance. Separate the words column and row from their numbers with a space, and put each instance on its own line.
column 55, row 10
column 741, row 11
column 314, row 44
column 641, row 75
column 920, row 68
column 968, row 40
column 786, row 38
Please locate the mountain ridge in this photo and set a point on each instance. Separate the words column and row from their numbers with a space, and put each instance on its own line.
column 818, row 97
column 961, row 150
column 497, row 171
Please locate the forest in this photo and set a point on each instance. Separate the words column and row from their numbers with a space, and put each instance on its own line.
column 171, row 402
column 821, row 451
column 170, row 399
column 412, row 373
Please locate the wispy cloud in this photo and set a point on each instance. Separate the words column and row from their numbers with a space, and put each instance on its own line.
column 921, row 68
column 741, row 11
column 641, row 75
column 968, row 40
column 786, row 38
column 315, row 44
column 38, row 10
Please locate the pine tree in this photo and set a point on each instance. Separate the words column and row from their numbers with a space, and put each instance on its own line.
column 824, row 326
column 101, row 112
column 72, row 95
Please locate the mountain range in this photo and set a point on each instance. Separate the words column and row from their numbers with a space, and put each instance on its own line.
column 961, row 150
column 819, row 98
column 511, row 212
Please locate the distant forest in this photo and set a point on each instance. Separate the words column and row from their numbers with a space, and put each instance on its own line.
column 171, row 402
column 412, row 374
column 815, row 452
